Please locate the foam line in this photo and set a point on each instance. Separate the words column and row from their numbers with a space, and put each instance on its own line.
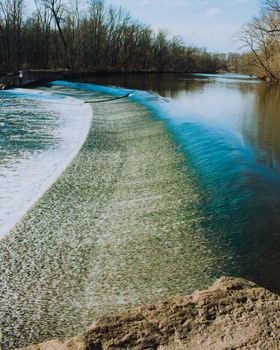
column 30, row 178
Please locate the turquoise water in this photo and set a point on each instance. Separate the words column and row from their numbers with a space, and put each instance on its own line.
column 36, row 141
column 25, row 127
column 228, row 127
column 182, row 183
column 124, row 212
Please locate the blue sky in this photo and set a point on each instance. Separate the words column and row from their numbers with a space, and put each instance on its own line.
column 203, row 23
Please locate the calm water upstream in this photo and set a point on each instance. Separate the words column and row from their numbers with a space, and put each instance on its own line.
column 229, row 128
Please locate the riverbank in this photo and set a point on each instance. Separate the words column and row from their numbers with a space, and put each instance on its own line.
column 120, row 227
column 33, row 77
column 232, row 314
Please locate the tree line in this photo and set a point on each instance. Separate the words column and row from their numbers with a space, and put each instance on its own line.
column 92, row 36
column 262, row 37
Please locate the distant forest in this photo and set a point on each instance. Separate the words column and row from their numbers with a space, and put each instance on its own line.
column 91, row 37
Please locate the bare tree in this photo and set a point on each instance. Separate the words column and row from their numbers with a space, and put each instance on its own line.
column 11, row 14
column 271, row 5
column 262, row 37
column 91, row 36
column 57, row 9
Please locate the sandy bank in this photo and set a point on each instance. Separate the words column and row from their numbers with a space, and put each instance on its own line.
column 232, row 314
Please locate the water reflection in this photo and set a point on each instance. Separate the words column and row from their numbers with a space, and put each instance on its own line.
column 229, row 130
column 248, row 107
column 167, row 85
column 268, row 119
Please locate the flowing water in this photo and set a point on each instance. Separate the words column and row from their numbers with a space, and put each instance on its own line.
column 228, row 127
column 38, row 138
column 181, row 182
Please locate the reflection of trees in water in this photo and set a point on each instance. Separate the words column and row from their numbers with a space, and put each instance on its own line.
column 261, row 120
column 259, row 223
column 166, row 85
column 243, row 210
column 268, row 120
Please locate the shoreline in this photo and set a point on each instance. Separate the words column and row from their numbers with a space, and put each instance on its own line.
column 48, row 75
column 231, row 314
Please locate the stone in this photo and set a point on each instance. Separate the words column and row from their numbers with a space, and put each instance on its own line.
column 232, row 314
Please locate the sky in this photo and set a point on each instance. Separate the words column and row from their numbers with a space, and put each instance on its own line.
column 212, row 24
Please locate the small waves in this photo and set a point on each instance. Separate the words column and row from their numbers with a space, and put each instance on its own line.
column 228, row 131
column 227, row 142
column 40, row 134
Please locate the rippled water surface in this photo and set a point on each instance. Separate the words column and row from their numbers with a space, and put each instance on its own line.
column 175, row 186
column 37, row 138
column 229, row 128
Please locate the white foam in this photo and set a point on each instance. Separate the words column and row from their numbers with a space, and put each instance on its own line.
column 26, row 180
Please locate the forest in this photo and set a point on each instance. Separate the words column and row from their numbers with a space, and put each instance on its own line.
column 91, row 37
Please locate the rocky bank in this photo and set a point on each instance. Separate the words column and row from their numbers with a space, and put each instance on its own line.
column 232, row 314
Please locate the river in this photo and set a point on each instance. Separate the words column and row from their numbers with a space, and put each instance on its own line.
column 175, row 186
column 228, row 126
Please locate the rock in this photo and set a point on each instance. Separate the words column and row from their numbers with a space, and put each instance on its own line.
column 232, row 314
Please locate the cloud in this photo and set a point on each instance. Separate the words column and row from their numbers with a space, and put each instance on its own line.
column 214, row 11
column 242, row 1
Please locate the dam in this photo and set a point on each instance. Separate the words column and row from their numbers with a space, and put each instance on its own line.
column 27, row 77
